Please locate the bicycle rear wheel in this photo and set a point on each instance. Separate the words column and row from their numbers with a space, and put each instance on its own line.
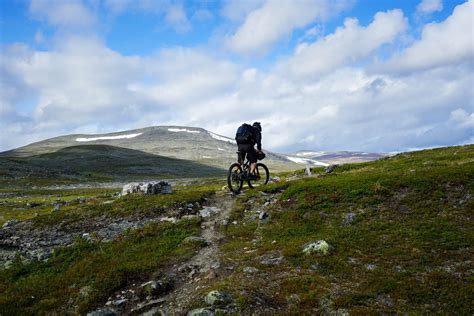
column 235, row 178
column 263, row 175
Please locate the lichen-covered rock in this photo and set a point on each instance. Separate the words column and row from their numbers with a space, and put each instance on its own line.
column 155, row 288
column 153, row 187
column 320, row 247
column 217, row 298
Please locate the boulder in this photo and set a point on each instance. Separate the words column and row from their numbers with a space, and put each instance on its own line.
column 330, row 168
column 154, row 187
column 196, row 239
column 319, row 247
column 218, row 298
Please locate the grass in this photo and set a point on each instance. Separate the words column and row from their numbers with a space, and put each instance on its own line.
column 55, row 286
column 408, row 248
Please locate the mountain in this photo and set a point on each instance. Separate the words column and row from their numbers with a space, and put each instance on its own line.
column 325, row 158
column 165, row 151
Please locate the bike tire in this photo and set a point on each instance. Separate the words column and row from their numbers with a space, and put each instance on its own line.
column 234, row 178
column 264, row 174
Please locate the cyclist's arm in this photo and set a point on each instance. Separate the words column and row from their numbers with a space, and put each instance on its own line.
column 259, row 141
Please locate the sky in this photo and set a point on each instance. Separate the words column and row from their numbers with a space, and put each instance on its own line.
column 360, row 75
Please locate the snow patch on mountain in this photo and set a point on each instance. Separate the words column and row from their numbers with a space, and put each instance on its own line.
column 306, row 161
column 91, row 139
column 222, row 138
column 177, row 130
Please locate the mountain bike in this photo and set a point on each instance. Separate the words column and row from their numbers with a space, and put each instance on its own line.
column 240, row 172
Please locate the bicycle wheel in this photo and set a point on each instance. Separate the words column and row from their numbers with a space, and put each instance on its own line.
column 234, row 178
column 263, row 175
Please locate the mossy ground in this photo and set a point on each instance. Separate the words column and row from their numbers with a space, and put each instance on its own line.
column 407, row 248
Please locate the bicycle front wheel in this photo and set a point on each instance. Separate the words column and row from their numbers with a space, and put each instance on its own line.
column 235, row 178
column 263, row 175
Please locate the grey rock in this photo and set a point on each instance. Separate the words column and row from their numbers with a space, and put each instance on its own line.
column 56, row 208
column 250, row 270
column 330, row 168
column 349, row 218
column 153, row 187
column 10, row 223
column 319, row 247
column 263, row 216
column 271, row 260
column 209, row 211
column 218, row 298
column 200, row 312
column 371, row 266
column 103, row 312
column 307, row 171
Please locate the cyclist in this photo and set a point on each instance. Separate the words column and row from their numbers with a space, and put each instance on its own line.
column 247, row 137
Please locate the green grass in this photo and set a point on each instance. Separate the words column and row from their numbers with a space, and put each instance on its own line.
column 55, row 286
column 412, row 225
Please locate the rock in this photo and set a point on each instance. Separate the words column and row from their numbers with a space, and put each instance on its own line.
column 217, row 298
column 271, row 260
column 263, row 216
column 155, row 288
column 195, row 239
column 371, row 266
column 330, row 168
column 209, row 211
column 320, row 247
column 307, row 171
column 153, row 187
column 200, row 312
column 103, row 312
column 10, row 223
column 349, row 219
column 56, row 208
column 250, row 270
column 274, row 179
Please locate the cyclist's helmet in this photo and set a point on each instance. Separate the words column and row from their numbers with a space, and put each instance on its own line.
column 257, row 126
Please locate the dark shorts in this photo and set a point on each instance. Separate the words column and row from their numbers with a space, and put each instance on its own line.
column 249, row 150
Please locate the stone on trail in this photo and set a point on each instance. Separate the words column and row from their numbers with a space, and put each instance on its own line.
column 196, row 239
column 153, row 187
column 320, row 247
column 209, row 211
column 217, row 298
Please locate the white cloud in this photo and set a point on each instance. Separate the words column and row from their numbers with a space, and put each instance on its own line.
column 429, row 6
column 237, row 10
column 71, row 13
column 445, row 43
column 275, row 20
column 348, row 44
column 176, row 17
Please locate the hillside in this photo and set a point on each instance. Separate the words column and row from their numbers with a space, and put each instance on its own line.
column 164, row 152
column 392, row 236
column 185, row 143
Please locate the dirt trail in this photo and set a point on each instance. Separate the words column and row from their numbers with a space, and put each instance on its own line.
column 202, row 267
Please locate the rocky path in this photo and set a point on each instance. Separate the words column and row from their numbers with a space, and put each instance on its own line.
column 205, row 265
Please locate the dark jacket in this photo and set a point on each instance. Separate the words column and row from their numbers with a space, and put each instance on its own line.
column 257, row 136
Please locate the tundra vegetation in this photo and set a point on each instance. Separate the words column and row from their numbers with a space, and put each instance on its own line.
column 399, row 232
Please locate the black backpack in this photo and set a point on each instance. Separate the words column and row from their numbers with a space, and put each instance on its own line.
column 245, row 134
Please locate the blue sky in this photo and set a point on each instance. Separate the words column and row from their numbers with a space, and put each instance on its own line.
column 328, row 75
